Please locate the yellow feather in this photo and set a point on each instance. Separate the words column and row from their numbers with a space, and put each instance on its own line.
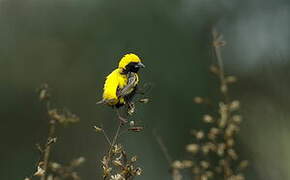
column 114, row 81
column 127, row 59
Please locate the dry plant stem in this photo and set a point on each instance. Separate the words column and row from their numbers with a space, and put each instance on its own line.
column 113, row 143
column 224, row 88
column 217, row 43
column 175, row 173
column 48, row 148
column 48, row 144
column 163, row 148
column 218, row 56
column 106, row 137
column 116, row 136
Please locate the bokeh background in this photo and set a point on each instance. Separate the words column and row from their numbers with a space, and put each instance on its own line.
column 73, row 44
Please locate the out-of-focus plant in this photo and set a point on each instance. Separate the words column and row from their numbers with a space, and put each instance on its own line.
column 47, row 169
column 214, row 152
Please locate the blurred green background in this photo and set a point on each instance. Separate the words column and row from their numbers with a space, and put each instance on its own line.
column 74, row 44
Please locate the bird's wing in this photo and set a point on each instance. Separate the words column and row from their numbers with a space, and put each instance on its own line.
column 110, row 87
column 132, row 83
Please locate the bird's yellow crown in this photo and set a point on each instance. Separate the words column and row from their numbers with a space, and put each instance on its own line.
column 128, row 58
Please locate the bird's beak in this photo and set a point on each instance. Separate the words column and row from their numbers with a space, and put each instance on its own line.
column 141, row 65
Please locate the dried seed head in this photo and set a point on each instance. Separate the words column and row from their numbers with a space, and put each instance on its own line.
column 198, row 100
column 204, row 164
column 117, row 163
column 187, row 163
column 234, row 105
column 51, row 141
column 98, row 129
column 106, row 171
column 237, row 119
column 214, row 69
column 236, row 177
column 223, row 110
column 199, row 135
column 209, row 174
column 63, row 116
column 134, row 159
column 50, row 177
column 240, row 177
column 132, row 123
column 213, row 132
column 205, row 149
column 105, row 161
column 243, row 164
column 232, row 153
column 231, row 129
column 117, row 148
column 211, row 146
column 224, row 88
column 78, row 161
column 144, row 100
column 55, row 166
column 138, row 171
column 220, row 149
column 117, row 177
column 75, row 176
column 44, row 93
column 231, row 79
column 230, row 142
column 203, row 177
column 193, row 148
column 219, row 43
column 39, row 172
column 208, row 118
column 177, row 165
column 55, row 115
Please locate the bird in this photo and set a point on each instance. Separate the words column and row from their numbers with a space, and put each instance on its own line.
column 121, row 84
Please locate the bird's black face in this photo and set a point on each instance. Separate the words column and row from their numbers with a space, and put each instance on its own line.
column 134, row 67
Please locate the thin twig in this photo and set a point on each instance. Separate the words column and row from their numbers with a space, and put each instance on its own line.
column 175, row 173
column 112, row 144
column 163, row 147
column 47, row 148
column 106, row 137
column 217, row 43
column 116, row 136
